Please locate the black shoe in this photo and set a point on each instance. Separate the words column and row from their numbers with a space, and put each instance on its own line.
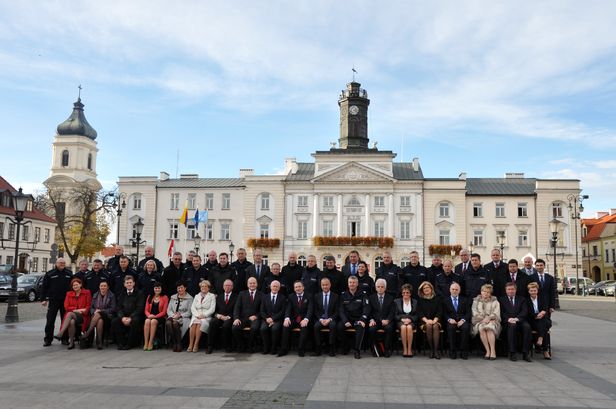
column 432, row 355
column 464, row 355
column 209, row 350
column 317, row 353
column 387, row 354
column 357, row 355
column 526, row 357
column 99, row 346
column 437, row 355
column 301, row 353
column 122, row 347
column 513, row 357
column 332, row 352
column 274, row 352
column 71, row 345
column 453, row 354
column 65, row 342
column 58, row 337
column 46, row 343
column 282, row 353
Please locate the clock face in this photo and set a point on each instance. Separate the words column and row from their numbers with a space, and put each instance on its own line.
column 353, row 110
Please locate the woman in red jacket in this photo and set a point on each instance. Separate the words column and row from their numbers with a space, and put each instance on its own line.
column 77, row 305
column 155, row 313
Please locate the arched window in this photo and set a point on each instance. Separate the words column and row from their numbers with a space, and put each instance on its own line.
column 301, row 260
column 378, row 262
column 89, row 161
column 65, row 157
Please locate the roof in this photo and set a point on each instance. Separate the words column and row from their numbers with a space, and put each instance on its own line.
column 402, row 171
column 500, row 186
column 201, row 183
column 76, row 123
column 595, row 227
column 305, row 171
column 35, row 214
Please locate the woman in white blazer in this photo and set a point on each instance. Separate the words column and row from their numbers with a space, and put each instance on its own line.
column 202, row 309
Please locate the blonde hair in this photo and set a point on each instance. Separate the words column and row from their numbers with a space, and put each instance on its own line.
column 487, row 287
column 422, row 286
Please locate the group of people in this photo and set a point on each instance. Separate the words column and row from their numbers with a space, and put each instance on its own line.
column 246, row 306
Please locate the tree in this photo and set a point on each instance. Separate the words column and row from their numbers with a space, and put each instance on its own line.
column 83, row 218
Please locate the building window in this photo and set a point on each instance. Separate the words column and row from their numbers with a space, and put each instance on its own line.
column 404, row 261
column 443, row 210
column 37, row 234
column 405, row 201
column 45, row 264
column 89, row 161
column 557, row 210
column 225, row 231
column 378, row 262
column 209, row 201
column 379, row 228
column 192, row 201
column 353, row 229
column 226, row 201
column 614, row 254
column 478, row 238
column 379, row 201
column 595, row 251
column 137, row 202
column 264, row 231
column 443, row 237
column 302, row 201
column 523, row 238
column 175, row 201
column 25, row 233
column 65, row 157
column 173, row 229
column 209, row 231
column 302, row 230
column 9, row 259
column 1, row 230
column 35, row 262
column 328, row 228
column 190, row 231
column 47, row 234
column 607, row 255
column 11, row 231
column 328, row 201
column 354, row 201
column 405, row 229
column 477, row 209
column 301, row 260
column 265, row 201
column 522, row 210
column 500, row 209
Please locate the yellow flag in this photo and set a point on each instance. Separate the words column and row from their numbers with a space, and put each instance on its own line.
column 184, row 216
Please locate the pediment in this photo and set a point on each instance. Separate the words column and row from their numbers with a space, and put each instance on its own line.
column 444, row 223
column 264, row 219
column 353, row 173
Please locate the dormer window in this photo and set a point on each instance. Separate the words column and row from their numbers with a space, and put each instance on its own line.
column 89, row 161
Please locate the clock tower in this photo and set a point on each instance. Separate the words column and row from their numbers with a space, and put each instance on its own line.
column 353, row 104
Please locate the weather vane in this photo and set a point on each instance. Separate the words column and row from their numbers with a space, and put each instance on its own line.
column 79, row 96
column 354, row 72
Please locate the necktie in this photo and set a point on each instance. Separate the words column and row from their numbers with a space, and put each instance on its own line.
column 130, row 292
column 513, row 278
column 541, row 279
column 353, row 268
column 529, row 271
column 381, row 301
column 273, row 300
column 463, row 267
column 455, row 303
column 252, row 296
column 258, row 270
column 298, row 317
column 511, row 300
column 325, row 305
column 299, row 300
column 226, row 298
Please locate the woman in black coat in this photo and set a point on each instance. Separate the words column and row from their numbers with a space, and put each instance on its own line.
column 430, row 310
column 539, row 318
column 406, row 319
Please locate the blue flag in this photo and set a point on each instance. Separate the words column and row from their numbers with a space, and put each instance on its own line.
column 203, row 216
column 196, row 219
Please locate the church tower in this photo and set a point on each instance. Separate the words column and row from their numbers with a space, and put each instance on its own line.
column 353, row 104
column 73, row 161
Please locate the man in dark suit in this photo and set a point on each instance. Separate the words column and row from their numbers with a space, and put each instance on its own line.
column 193, row 274
column 350, row 268
column 223, row 318
column 247, row 314
column 335, row 276
column 258, row 270
column 276, row 274
column 465, row 264
column 128, row 325
column 497, row 270
column 514, row 316
column 547, row 285
column 273, row 309
column 528, row 266
column 457, row 314
column 520, row 279
column 325, row 316
column 382, row 314
column 299, row 315
column 354, row 311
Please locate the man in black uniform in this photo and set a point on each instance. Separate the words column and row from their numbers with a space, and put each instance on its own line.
column 475, row 277
column 149, row 255
column 292, row 272
column 118, row 275
column 95, row 276
column 55, row 285
column 326, row 305
column 113, row 264
column 273, row 309
column 382, row 314
column 311, row 276
column 437, row 265
column 390, row 272
column 298, row 315
column 211, row 262
column 221, row 272
column 247, row 313
column 223, row 318
column 354, row 311
column 444, row 279
column 82, row 271
column 128, row 325
column 415, row 274
column 192, row 276
column 172, row 274
column 259, row 270
column 335, row 276
column 240, row 265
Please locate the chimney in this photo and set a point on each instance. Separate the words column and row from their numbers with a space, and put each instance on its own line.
column 514, row 175
column 462, row 176
column 246, row 172
column 164, row 176
column 189, row 176
column 290, row 166
column 602, row 214
column 612, row 212
column 416, row 164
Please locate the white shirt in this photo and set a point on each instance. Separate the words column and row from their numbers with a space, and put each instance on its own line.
column 407, row 308
column 535, row 304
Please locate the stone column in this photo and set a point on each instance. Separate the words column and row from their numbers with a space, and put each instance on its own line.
column 391, row 216
column 367, row 216
column 315, row 215
column 339, row 230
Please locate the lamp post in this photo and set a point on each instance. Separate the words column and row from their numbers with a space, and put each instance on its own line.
column 138, row 226
column 575, row 209
column 470, row 246
column 119, row 208
column 20, row 202
column 197, row 240
column 500, row 240
column 554, row 224
column 231, row 248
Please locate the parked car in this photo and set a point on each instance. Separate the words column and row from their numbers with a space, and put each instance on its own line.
column 596, row 289
column 570, row 284
column 559, row 285
column 609, row 288
column 28, row 287
column 5, row 268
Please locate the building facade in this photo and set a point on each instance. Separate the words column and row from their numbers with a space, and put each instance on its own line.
column 355, row 196
column 599, row 246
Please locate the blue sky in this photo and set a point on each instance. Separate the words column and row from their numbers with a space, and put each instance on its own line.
column 478, row 86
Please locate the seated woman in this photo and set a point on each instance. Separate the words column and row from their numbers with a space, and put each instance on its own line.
column 77, row 306
column 155, row 314
column 202, row 309
column 430, row 311
column 178, row 313
column 487, row 320
column 406, row 319
column 539, row 319
column 102, row 309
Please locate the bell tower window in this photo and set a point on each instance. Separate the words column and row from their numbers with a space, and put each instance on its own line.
column 89, row 161
column 65, row 157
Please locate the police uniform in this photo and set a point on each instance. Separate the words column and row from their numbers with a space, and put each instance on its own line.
column 353, row 309
column 93, row 280
column 55, row 285
column 391, row 274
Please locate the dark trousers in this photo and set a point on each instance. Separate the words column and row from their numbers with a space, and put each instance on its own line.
column 542, row 327
column 254, row 330
column 458, row 341
column 53, row 307
column 270, row 335
column 331, row 338
column 127, row 336
column 389, row 334
column 342, row 335
column 218, row 326
column 286, row 336
column 512, row 331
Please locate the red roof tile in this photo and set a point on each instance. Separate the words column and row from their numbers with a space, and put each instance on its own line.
column 35, row 214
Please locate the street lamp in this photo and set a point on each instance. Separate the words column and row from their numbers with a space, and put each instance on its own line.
column 231, row 248
column 197, row 240
column 500, row 239
column 470, row 246
column 575, row 209
column 554, row 225
column 120, row 207
column 138, row 226
column 20, row 202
